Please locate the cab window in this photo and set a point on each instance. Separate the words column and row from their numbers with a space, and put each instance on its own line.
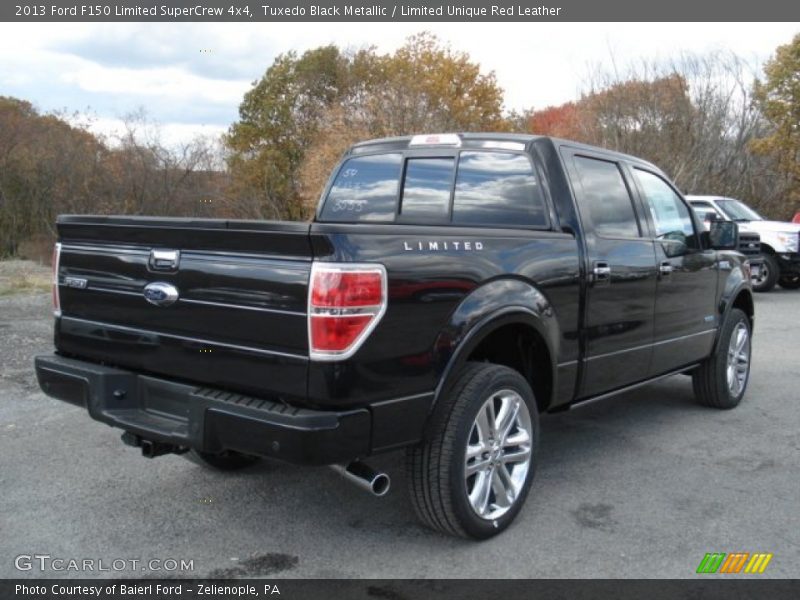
column 671, row 217
column 497, row 188
column 607, row 198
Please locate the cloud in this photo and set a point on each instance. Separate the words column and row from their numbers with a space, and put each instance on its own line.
column 170, row 83
column 194, row 74
column 196, row 49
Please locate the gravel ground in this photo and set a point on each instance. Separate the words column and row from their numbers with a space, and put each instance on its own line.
column 641, row 485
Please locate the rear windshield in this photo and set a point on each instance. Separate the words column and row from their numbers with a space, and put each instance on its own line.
column 473, row 188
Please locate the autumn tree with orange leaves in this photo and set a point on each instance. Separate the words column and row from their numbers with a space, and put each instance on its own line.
column 778, row 97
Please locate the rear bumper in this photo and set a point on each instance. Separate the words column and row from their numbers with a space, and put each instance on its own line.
column 205, row 419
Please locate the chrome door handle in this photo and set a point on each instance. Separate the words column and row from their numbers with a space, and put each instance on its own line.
column 665, row 269
column 602, row 273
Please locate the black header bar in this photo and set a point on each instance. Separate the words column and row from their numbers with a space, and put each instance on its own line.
column 281, row 11
column 406, row 589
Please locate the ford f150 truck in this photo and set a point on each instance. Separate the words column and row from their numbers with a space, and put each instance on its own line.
column 779, row 241
column 450, row 289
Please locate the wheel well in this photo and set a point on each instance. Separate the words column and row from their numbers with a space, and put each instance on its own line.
column 744, row 302
column 523, row 349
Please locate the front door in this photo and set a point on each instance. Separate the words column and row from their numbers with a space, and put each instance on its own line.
column 685, row 316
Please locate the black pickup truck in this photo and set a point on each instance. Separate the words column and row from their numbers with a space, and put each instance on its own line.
column 450, row 289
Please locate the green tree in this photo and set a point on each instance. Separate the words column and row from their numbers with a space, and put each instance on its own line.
column 278, row 118
column 778, row 97
column 296, row 121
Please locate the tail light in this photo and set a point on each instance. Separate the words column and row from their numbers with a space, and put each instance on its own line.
column 345, row 303
column 56, row 296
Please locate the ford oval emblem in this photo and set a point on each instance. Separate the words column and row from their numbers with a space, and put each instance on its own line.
column 160, row 293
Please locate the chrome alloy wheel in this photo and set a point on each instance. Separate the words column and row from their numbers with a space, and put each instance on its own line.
column 763, row 275
column 498, row 454
column 738, row 366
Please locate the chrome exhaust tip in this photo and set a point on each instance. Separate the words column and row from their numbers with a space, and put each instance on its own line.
column 375, row 482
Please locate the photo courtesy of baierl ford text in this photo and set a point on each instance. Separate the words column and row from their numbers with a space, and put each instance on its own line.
column 417, row 300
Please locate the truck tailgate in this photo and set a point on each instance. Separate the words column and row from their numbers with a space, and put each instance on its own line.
column 239, row 322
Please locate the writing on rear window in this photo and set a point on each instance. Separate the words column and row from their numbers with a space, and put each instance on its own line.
column 365, row 189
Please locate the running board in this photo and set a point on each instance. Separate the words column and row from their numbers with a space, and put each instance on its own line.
column 628, row 388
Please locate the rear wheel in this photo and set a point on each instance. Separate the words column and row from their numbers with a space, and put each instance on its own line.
column 789, row 282
column 471, row 477
column 767, row 275
column 720, row 382
column 224, row 461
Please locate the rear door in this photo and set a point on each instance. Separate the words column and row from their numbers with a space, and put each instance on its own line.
column 619, row 304
column 685, row 317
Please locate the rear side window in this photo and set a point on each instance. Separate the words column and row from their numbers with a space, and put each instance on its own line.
column 426, row 191
column 497, row 188
column 365, row 189
column 607, row 198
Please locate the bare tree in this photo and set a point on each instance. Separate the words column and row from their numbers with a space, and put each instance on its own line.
column 694, row 116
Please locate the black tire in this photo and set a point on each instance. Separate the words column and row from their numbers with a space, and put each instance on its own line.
column 225, row 461
column 437, row 467
column 768, row 275
column 711, row 383
column 789, row 282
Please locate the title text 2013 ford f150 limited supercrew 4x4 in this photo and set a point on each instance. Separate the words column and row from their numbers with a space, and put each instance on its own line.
column 450, row 289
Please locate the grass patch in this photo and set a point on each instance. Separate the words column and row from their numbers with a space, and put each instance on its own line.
column 23, row 277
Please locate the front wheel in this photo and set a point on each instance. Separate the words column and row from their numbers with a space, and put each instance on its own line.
column 720, row 382
column 767, row 275
column 789, row 282
column 471, row 476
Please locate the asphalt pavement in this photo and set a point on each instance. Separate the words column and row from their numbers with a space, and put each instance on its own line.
column 641, row 485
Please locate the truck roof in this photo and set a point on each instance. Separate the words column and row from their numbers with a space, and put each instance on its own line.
column 479, row 136
column 707, row 197
column 523, row 139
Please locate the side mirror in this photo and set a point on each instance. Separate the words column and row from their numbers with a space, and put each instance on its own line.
column 723, row 235
column 710, row 217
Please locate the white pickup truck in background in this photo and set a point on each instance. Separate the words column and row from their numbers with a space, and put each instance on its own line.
column 780, row 240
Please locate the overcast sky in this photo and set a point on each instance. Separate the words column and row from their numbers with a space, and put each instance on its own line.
column 191, row 77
